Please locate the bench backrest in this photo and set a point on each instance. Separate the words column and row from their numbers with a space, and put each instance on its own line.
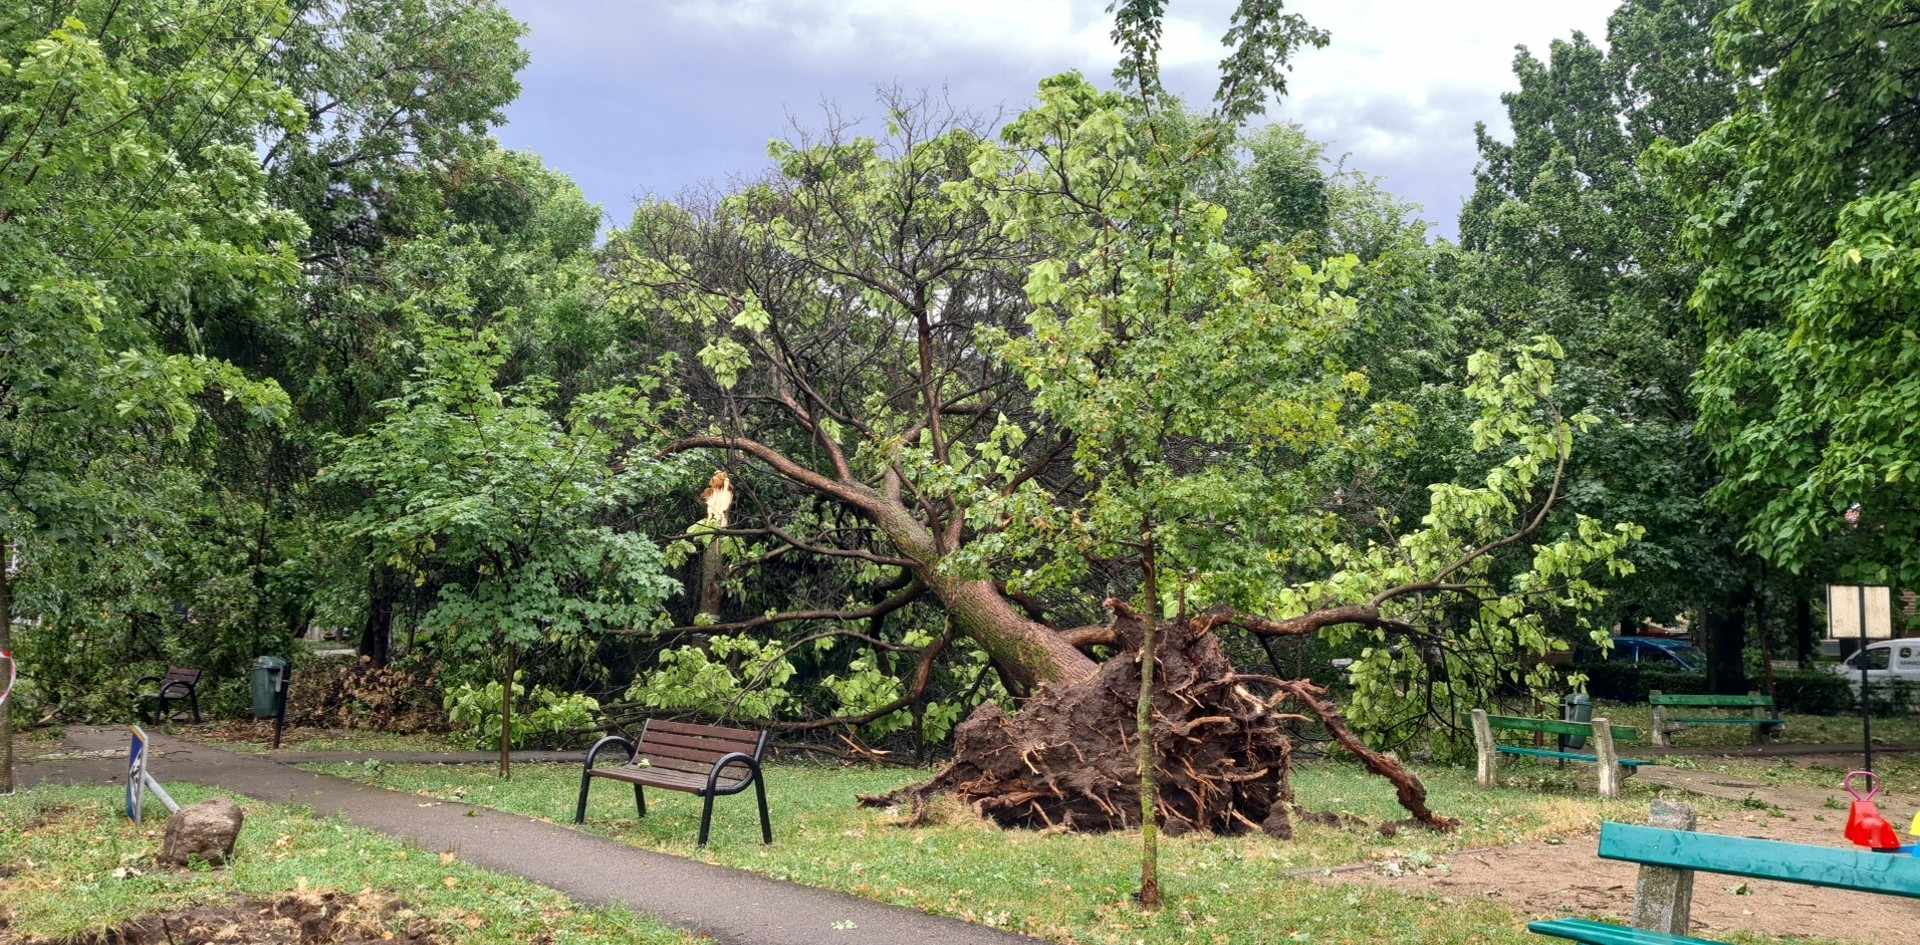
column 1834, row 867
column 180, row 674
column 1711, row 701
column 1511, row 723
column 684, row 746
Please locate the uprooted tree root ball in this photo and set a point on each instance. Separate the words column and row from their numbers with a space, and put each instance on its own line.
column 1225, row 755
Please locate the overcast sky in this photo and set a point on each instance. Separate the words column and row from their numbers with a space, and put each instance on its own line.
column 636, row 99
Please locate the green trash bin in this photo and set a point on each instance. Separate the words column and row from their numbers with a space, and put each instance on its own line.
column 269, row 689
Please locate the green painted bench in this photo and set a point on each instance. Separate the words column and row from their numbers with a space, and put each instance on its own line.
column 1669, row 857
column 1760, row 714
column 1600, row 733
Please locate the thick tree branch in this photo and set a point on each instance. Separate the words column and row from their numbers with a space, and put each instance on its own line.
column 906, row 596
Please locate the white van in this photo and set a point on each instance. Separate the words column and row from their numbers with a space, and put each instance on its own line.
column 1888, row 661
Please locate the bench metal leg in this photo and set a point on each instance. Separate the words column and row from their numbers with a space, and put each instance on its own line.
column 766, row 823
column 586, row 779
column 640, row 799
column 706, row 817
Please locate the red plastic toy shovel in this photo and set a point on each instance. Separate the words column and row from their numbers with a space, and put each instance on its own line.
column 1865, row 826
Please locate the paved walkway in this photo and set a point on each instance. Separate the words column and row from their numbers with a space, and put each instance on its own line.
column 732, row 906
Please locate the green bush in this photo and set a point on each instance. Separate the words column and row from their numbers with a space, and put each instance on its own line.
column 548, row 720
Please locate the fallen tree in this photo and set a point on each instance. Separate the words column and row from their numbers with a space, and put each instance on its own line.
column 1006, row 381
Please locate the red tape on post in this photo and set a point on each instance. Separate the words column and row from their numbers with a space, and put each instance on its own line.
column 7, row 692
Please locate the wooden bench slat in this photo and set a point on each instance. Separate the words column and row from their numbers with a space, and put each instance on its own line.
column 740, row 735
column 1564, row 755
column 1831, row 867
column 1512, row 723
column 1727, row 720
column 701, row 759
column 677, row 764
column 1707, row 700
column 1603, row 933
column 713, row 748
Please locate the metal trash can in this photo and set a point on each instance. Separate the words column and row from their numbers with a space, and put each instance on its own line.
column 269, row 689
column 1578, row 707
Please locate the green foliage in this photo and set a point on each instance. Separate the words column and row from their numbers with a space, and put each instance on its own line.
column 465, row 478
column 1209, row 409
column 545, row 718
column 1803, row 209
column 731, row 677
column 1569, row 234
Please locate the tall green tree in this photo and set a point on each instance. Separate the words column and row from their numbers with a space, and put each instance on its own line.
column 130, row 195
column 1572, row 235
column 1803, row 208
column 515, row 510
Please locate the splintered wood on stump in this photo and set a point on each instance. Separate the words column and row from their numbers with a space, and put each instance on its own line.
column 1068, row 759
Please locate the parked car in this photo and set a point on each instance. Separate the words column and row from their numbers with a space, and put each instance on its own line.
column 1887, row 661
column 1658, row 653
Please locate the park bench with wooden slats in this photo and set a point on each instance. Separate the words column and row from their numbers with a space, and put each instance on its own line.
column 1600, row 732
column 1670, row 855
column 179, row 684
column 1762, row 717
column 707, row 761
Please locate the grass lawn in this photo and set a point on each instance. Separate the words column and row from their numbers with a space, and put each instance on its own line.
column 256, row 738
column 1076, row 888
column 1801, row 729
column 72, row 865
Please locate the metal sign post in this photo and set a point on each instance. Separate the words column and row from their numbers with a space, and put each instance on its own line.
column 280, row 711
column 140, row 780
column 1848, row 609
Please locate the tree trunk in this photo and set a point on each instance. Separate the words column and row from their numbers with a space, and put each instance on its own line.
column 506, row 720
column 1803, row 630
column 376, row 635
column 6, row 647
column 1726, row 626
column 713, row 568
column 1145, row 763
column 1030, row 652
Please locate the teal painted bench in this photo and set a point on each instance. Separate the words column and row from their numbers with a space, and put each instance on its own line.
column 1600, row 733
column 1760, row 715
column 1669, row 857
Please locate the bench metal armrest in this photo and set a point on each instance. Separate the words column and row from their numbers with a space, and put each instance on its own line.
column 733, row 758
column 594, row 752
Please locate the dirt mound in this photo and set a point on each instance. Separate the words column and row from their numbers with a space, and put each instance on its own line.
column 300, row 919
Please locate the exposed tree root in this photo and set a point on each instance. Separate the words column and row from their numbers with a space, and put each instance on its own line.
column 1225, row 756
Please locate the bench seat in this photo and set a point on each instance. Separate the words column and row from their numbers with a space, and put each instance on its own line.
column 688, row 781
column 1727, row 720
column 1566, row 756
column 1606, row 933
